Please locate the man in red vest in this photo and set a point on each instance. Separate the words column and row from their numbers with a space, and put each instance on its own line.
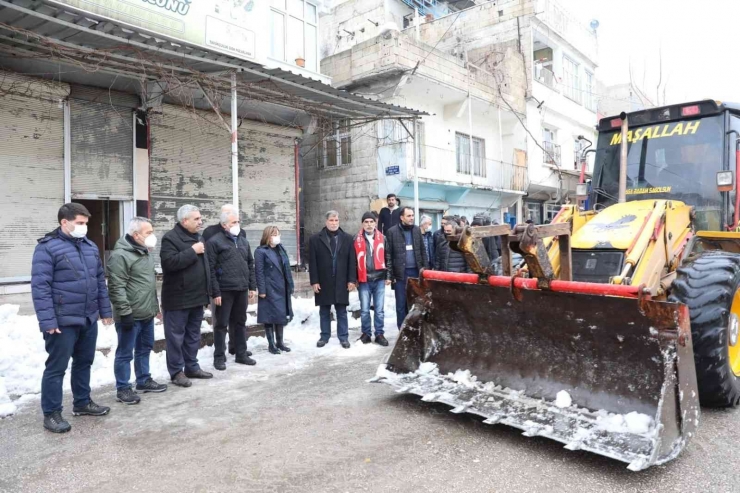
column 372, row 277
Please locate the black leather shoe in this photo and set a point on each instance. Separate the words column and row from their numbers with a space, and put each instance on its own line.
column 181, row 380
column 199, row 374
column 245, row 360
column 321, row 343
column 381, row 340
column 365, row 339
column 345, row 344
column 219, row 364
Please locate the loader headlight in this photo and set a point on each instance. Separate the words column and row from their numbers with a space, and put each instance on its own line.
column 582, row 190
column 725, row 181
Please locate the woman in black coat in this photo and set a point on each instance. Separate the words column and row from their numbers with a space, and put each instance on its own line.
column 275, row 286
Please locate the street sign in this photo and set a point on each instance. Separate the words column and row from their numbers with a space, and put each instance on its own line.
column 392, row 170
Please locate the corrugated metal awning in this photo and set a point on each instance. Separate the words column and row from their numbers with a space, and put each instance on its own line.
column 36, row 29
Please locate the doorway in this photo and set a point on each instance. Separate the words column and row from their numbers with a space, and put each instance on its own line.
column 105, row 225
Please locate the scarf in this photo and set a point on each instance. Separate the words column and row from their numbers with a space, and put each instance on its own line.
column 378, row 254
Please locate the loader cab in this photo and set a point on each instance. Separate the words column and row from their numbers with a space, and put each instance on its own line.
column 674, row 152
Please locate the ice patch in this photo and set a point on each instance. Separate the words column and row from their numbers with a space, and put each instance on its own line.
column 634, row 422
column 464, row 377
column 6, row 407
column 428, row 368
column 563, row 399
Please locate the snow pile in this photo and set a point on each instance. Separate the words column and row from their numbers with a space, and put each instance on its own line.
column 634, row 422
column 22, row 352
column 428, row 368
column 563, row 399
column 464, row 378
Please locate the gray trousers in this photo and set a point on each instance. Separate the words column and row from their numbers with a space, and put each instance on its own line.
column 182, row 335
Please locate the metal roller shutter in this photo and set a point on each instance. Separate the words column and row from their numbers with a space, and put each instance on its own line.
column 32, row 171
column 102, row 150
column 267, row 182
column 190, row 163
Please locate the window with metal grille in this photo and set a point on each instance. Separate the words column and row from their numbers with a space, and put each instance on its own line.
column 337, row 146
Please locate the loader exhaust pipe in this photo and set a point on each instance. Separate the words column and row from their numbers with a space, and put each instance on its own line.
column 623, row 160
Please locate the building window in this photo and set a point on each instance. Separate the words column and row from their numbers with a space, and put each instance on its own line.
column 466, row 166
column 294, row 26
column 551, row 154
column 551, row 210
column 534, row 212
column 571, row 83
column 421, row 145
column 588, row 92
column 337, row 146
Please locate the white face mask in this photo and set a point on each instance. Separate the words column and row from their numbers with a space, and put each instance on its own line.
column 150, row 241
column 275, row 240
column 235, row 230
column 79, row 231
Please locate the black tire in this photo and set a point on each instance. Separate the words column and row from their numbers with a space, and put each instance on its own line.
column 707, row 285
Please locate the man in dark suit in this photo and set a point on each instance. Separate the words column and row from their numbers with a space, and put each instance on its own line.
column 391, row 215
column 333, row 274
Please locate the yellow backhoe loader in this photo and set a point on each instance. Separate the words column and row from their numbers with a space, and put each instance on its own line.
column 624, row 316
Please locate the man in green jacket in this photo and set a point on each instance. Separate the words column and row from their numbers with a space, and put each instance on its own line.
column 132, row 288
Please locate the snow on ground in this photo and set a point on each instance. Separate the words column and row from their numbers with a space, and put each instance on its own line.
column 22, row 353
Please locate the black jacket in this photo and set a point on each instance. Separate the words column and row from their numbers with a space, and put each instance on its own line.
column 431, row 249
column 395, row 252
column 231, row 263
column 388, row 219
column 186, row 274
column 332, row 273
column 212, row 230
column 449, row 260
column 491, row 247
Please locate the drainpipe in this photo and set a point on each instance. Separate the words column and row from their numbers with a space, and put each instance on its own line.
column 416, row 175
column 297, row 203
column 623, row 160
column 234, row 144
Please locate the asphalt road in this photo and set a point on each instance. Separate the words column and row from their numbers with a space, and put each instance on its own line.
column 323, row 429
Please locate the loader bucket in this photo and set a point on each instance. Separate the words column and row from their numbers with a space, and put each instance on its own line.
column 509, row 352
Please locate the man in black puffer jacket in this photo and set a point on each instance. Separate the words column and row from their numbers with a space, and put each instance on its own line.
column 405, row 257
column 184, row 294
column 449, row 260
column 232, row 275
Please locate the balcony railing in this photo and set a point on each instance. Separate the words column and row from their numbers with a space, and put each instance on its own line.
column 552, row 154
column 545, row 75
column 442, row 165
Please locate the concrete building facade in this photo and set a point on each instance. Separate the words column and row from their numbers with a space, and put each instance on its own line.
column 562, row 107
column 467, row 69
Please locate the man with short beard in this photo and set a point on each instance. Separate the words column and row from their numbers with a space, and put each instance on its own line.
column 404, row 258
column 372, row 278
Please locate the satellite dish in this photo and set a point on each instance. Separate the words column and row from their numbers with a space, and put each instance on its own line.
column 594, row 24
